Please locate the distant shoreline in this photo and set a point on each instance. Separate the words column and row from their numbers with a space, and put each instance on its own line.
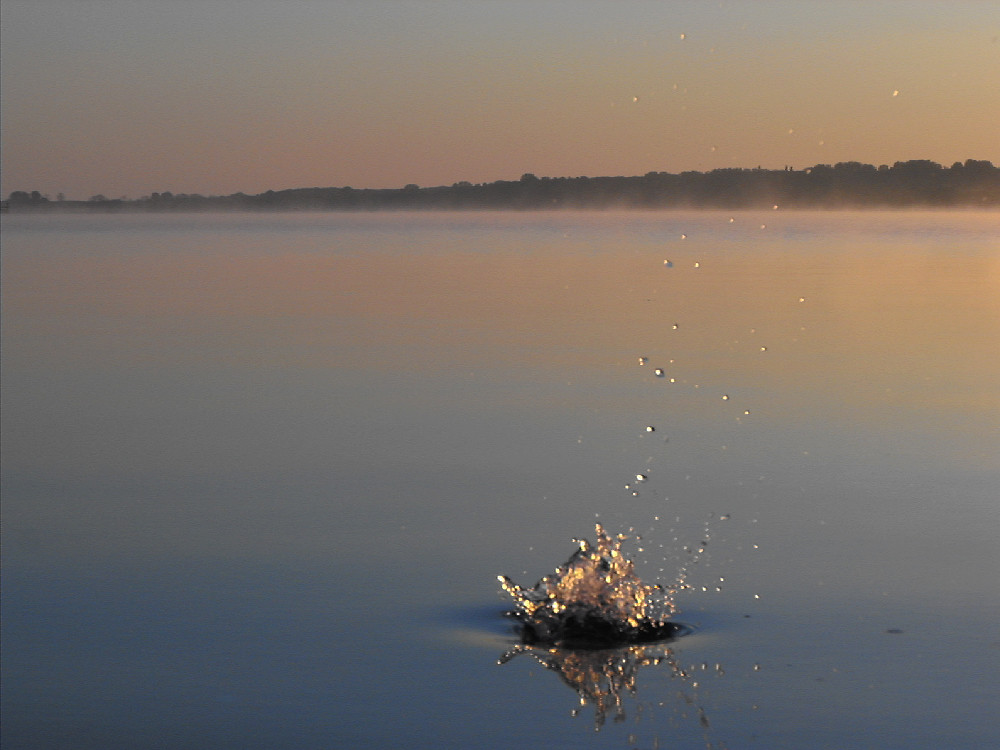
column 846, row 185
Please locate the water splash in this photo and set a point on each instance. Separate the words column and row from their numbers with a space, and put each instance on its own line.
column 594, row 601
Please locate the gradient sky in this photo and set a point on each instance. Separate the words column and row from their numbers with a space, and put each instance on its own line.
column 128, row 97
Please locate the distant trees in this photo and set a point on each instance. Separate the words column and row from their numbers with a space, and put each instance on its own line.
column 918, row 182
column 23, row 198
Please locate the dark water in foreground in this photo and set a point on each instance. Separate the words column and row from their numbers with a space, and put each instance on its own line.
column 260, row 474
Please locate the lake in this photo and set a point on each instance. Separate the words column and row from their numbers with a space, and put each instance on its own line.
column 261, row 471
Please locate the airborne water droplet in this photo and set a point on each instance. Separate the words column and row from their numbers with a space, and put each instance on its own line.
column 658, row 372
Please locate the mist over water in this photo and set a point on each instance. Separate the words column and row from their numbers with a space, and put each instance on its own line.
column 261, row 472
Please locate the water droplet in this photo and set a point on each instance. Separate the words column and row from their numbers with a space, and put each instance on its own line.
column 746, row 412
column 658, row 372
column 697, row 264
column 802, row 299
column 726, row 397
column 684, row 236
column 763, row 226
column 675, row 326
column 650, row 428
column 763, row 348
column 774, row 207
column 895, row 92
column 641, row 477
column 668, row 264
column 643, row 360
column 731, row 219
column 683, row 37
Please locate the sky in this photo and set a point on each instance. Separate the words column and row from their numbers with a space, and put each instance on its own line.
column 130, row 97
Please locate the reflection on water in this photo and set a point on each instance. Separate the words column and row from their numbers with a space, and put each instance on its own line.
column 606, row 678
column 235, row 396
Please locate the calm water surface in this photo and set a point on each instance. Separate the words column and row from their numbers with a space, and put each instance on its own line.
column 260, row 474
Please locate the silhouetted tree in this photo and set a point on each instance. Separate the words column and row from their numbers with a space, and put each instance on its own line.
column 19, row 198
column 851, row 183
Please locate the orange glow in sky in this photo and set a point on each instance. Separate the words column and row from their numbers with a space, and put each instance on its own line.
column 128, row 97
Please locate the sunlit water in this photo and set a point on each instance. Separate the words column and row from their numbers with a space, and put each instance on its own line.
column 260, row 474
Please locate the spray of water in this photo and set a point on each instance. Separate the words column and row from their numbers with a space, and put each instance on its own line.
column 595, row 600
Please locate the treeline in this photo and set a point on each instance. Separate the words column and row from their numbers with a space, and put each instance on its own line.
column 918, row 183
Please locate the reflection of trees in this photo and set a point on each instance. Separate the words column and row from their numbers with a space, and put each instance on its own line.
column 607, row 678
